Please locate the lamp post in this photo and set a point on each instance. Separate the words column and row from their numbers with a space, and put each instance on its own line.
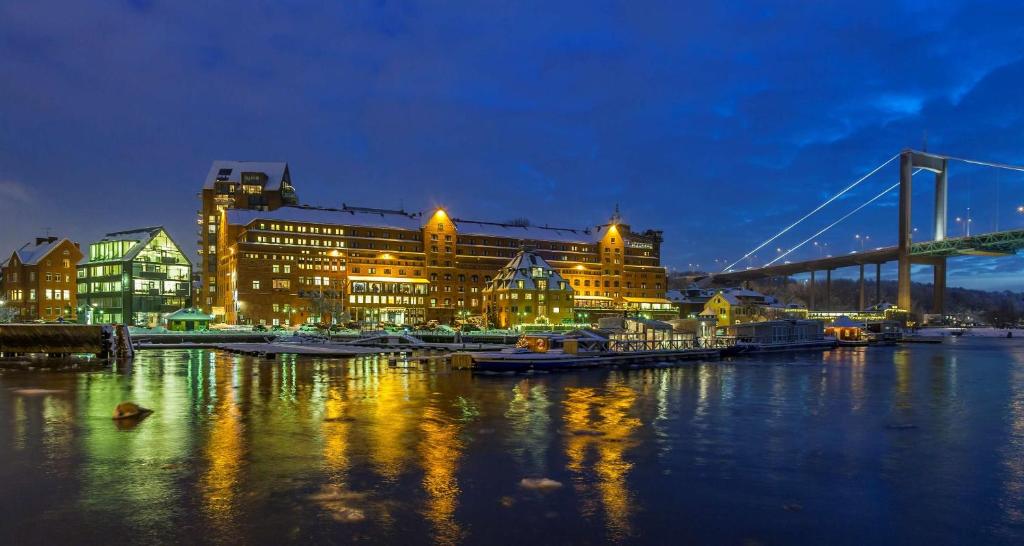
column 862, row 239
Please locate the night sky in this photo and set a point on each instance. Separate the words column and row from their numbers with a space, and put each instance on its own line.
column 718, row 122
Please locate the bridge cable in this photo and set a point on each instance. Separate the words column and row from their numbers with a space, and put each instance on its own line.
column 985, row 163
column 809, row 214
column 833, row 224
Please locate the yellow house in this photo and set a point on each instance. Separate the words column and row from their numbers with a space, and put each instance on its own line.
column 737, row 306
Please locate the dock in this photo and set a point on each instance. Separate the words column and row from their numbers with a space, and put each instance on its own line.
column 533, row 361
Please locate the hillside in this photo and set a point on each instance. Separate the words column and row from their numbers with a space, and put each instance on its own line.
column 995, row 308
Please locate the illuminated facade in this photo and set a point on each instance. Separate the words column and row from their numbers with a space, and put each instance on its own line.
column 133, row 277
column 271, row 261
column 527, row 291
column 301, row 264
column 37, row 282
column 237, row 185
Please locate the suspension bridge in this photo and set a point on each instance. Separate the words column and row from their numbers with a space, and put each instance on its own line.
column 906, row 252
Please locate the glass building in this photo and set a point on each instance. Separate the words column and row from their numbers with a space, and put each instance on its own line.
column 133, row 277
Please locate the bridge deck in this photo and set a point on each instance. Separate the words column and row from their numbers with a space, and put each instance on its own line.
column 999, row 243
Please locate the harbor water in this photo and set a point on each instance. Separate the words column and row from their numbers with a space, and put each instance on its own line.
column 916, row 444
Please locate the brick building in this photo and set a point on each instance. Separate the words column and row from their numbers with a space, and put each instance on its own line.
column 38, row 280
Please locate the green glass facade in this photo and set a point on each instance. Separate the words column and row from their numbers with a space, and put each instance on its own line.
column 134, row 277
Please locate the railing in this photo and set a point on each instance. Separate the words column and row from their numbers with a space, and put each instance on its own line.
column 636, row 345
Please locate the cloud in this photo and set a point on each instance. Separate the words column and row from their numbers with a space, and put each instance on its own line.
column 716, row 122
column 14, row 193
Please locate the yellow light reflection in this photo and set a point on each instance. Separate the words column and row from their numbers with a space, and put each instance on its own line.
column 223, row 453
column 601, row 420
column 440, row 451
column 336, row 431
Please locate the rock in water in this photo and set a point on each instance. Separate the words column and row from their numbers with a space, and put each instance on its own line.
column 128, row 410
column 539, row 483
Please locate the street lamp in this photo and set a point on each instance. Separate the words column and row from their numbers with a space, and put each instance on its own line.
column 862, row 239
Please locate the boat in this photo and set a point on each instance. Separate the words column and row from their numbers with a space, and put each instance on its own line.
column 578, row 350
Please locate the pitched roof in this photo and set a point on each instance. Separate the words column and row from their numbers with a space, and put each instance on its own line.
column 31, row 253
column 323, row 215
column 142, row 237
column 188, row 313
column 520, row 268
column 231, row 171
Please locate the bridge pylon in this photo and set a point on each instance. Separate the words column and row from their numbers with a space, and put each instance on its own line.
column 911, row 160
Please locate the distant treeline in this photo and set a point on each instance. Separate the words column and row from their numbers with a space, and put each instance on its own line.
column 995, row 308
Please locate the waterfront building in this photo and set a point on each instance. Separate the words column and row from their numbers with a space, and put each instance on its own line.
column 739, row 306
column 134, row 277
column 527, row 290
column 690, row 300
column 37, row 281
column 268, row 260
column 249, row 185
column 187, row 320
column 303, row 264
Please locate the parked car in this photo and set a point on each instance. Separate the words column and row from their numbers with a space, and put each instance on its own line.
column 259, row 328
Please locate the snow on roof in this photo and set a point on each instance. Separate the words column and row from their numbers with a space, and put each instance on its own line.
column 31, row 253
column 521, row 268
column 188, row 313
column 142, row 237
column 680, row 296
column 524, row 232
column 731, row 298
column 322, row 215
column 231, row 171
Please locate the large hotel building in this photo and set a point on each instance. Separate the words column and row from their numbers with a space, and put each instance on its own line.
column 267, row 259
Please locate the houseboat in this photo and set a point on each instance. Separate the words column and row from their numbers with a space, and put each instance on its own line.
column 633, row 341
column 779, row 336
column 847, row 333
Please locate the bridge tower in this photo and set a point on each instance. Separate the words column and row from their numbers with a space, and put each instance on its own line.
column 910, row 160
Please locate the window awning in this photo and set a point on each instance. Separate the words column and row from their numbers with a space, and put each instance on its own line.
column 368, row 278
column 647, row 300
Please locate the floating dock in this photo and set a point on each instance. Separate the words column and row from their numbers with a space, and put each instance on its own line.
column 527, row 361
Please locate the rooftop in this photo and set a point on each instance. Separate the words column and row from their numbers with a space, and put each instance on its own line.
column 231, row 171
column 347, row 216
column 31, row 253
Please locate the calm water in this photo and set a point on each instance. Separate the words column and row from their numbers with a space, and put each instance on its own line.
column 920, row 444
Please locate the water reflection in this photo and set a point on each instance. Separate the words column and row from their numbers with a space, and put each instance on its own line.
column 224, row 447
column 599, row 421
column 308, row 450
column 529, row 425
column 439, row 451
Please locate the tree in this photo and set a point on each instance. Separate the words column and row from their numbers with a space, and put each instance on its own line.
column 326, row 303
column 7, row 314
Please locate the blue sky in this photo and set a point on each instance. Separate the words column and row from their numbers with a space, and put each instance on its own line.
column 718, row 122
